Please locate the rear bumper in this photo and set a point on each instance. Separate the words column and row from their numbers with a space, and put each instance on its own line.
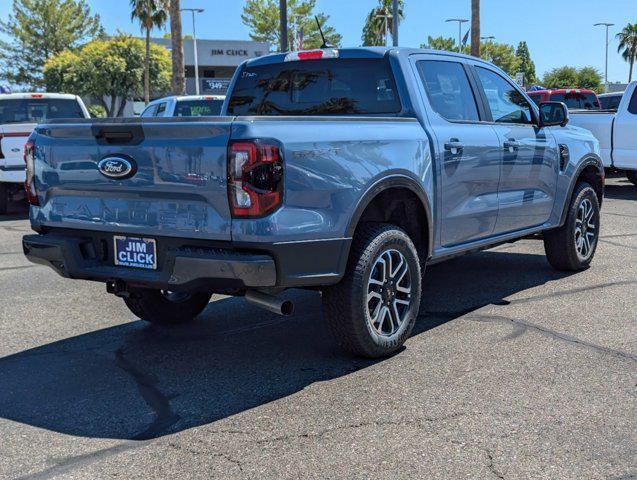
column 183, row 269
column 193, row 264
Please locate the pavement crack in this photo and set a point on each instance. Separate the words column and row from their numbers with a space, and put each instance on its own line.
column 491, row 465
column 552, row 334
column 154, row 398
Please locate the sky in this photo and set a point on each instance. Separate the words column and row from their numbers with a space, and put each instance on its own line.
column 558, row 32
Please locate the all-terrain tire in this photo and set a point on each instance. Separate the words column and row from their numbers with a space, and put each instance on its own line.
column 563, row 246
column 347, row 307
column 166, row 308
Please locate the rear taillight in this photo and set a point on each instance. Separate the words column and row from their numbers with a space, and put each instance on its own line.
column 29, row 182
column 255, row 178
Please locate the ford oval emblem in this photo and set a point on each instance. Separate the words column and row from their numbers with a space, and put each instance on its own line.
column 117, row 167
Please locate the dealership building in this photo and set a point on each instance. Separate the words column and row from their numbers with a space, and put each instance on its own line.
column 218, row 59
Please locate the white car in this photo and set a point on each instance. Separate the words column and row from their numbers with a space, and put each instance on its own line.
column 19, row 114
column 185, row 106
column 616, row 132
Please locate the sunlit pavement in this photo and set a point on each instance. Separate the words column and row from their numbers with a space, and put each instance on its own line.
column 514, row 371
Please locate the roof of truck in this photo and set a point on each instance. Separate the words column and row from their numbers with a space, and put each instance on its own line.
column 365, row 52
column 62, row 96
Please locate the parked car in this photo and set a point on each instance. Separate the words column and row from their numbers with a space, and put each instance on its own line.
column 185, row 106
column 616, row 132
column 19, row 114
column 610, row 101
column 573, row 98
column 340, row 170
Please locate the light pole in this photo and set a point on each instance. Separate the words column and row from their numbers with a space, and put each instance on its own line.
column 194, row 44
column 460, row 22
column 604, row 24
column 386, row 16
column 394, row 24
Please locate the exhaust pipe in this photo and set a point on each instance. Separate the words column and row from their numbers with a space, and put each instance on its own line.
column 269, row 302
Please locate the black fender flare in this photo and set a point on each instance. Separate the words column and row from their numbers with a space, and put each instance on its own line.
column 589, row 160
column 394, row 181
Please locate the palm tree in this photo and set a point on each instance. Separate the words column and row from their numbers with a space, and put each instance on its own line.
column 283, row 25
column 375, row 28
column 628, row 46
column 151, row 14
column 178, row 80
column 475, row 28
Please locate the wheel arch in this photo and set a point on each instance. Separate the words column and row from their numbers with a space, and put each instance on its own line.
column 388, row 199
column 591, row 170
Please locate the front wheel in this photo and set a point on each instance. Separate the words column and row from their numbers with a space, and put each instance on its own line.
column 632, row 176
column 572, row 246
column 164, row 307
column 372, row 311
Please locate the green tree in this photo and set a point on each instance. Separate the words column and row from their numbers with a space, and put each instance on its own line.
column 262, row 17
column 589, row 77
column 38, row 29
column 569, row 77
column 526, row 64
column 110, row 71
column 628, row 46
column 150, row 14
column 440, row 43
column 501, row 55
column 374, row 28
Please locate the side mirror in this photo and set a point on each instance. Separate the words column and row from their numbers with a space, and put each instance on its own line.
column 553, row 114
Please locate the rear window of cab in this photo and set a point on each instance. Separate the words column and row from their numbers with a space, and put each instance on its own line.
column 356, row 86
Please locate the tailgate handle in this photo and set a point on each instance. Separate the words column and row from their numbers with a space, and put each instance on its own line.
column 118, row 134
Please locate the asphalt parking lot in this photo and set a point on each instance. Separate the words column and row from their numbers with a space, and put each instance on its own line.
column 515, row 371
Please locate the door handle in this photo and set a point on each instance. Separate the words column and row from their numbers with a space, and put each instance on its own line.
column 511, row 145
column 454, row 146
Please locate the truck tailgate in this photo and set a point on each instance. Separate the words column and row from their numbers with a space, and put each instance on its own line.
column 177, row 188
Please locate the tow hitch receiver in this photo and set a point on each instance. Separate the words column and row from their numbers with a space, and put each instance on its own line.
column 117, row 288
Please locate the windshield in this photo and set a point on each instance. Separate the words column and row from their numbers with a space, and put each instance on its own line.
column 37, row 110
column 577, row 100
column 198, row 108
column 359, row 86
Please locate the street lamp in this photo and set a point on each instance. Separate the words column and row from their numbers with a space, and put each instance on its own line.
column 460, row 22
column 194, row 44
column 604, row 24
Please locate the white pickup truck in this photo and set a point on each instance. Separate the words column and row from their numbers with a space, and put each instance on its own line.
column 616, row 132
column 19, row 114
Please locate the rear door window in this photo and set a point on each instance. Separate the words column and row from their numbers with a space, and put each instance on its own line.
column 149, row 112
column 507, row 103
column 632, row 106
column 161, row 108
column 448, row 90
column 35, row 110
column 353, row 86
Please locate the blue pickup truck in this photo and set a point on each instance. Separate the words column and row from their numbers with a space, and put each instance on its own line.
column 340, row 170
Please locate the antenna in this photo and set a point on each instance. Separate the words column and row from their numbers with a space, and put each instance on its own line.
column 325, row 44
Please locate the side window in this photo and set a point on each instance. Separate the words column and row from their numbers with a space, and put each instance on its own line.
column 161, row 108
column 448, row 90
column 507, row 104
column 632, row 106
column 149, row 112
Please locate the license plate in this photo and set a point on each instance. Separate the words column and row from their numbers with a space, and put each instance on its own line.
column 136, row 252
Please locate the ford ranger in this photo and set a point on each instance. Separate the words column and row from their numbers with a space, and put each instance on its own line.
column 340, row 170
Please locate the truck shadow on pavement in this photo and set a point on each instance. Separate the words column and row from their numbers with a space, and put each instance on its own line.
column 621, row 189
column 136, row 381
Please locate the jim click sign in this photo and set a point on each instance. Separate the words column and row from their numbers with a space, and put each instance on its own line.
column 231, row 52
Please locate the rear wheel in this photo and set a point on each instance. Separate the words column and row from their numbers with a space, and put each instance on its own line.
column 572, row 246
column 4, row 198
column 632, row 176
column 166, row 308
column 372, row 311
